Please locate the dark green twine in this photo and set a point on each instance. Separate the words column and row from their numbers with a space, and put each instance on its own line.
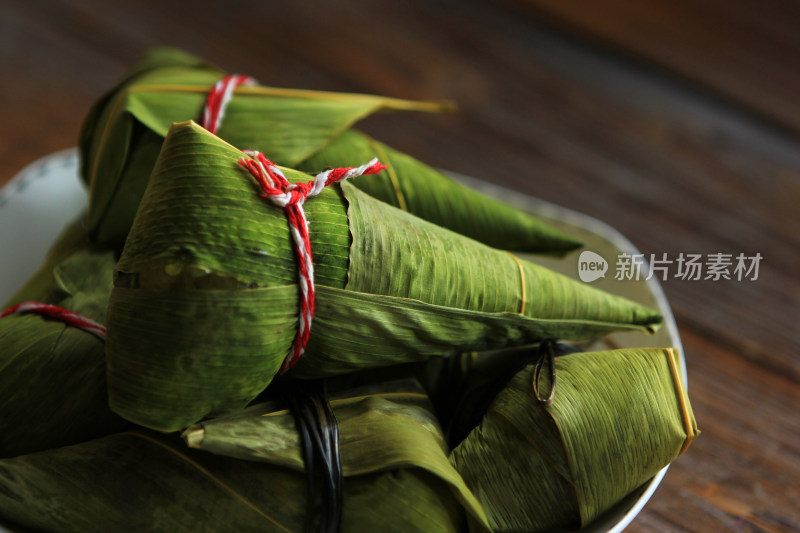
column 474, row 403
column 319, row 439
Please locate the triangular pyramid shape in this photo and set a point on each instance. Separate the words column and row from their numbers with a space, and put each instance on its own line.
column 205, row 304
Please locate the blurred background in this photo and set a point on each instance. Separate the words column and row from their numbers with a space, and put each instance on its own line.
column 677, row 122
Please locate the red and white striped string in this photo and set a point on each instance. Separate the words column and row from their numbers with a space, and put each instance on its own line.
column 219, row 97
column 57, row 313
column 291, row 197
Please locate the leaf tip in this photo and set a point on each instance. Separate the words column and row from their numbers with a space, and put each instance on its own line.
column 194, row 436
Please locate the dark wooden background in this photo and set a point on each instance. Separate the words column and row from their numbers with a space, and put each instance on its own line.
column 675, row 121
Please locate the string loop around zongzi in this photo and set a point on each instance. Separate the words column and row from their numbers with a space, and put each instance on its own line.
column 487, row 380
column 57, row 313
column 521, row 282
column 546, row 357
column 319, row 436
column 291, row 197
column 219, row 97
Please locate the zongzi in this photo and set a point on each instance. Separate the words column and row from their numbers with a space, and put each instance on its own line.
column 53, row 376
column 397, row 475
column 616, row 419
column 308, row 130
column 205, row 302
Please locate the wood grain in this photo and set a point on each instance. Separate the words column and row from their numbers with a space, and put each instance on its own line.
column 744, row 51
column 687, row 163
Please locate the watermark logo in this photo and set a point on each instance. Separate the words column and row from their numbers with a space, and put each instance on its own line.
column 687, row 267
column 591, row 266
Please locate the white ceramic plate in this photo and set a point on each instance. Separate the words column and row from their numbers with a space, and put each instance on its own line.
column 47, row 194
column 34, row 207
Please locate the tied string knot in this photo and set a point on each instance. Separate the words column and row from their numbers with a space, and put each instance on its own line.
column 291, row 197
column 57, row 313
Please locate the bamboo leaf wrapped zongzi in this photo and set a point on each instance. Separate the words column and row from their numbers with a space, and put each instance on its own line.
column 616, row 419
column 397, row 475
column 123, row 133
column 52, row 375
column 205, row 302
column 386, row 430
column 427, row 193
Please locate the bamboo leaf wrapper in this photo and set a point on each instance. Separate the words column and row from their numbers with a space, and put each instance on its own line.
column 397, row 476
column 205, row 302
column 386, row 428
column 123, row 133
column 617, row 418
column 427, row 193
column 52, row 375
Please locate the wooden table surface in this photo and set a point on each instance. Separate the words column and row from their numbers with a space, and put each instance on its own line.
column 677, row 122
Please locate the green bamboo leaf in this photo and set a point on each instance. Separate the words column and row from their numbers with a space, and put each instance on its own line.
column 427, row 193
column 355, row 331
column 204, row 351
column 205, row 304
column 396, row 254
column 137, row 481
column 156, row 58
column 53, row 376
column 384, row 429
column 617, row 418
column 121, row 137
column 140, row 481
